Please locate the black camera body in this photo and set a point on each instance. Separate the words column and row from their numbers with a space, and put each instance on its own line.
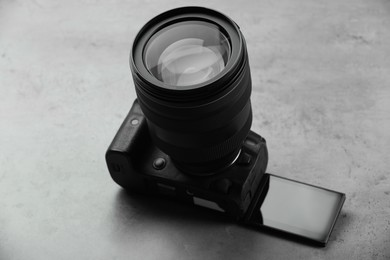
column 136, row 164
column 187, row 135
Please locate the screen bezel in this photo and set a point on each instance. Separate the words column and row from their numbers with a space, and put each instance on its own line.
column 258, row 200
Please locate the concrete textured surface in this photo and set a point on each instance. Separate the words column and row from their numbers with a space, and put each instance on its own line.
column 321, row 98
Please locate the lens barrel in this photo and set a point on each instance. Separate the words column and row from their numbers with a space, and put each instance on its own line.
column 192, row 78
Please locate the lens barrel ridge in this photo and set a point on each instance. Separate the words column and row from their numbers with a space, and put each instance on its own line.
column 201, row 126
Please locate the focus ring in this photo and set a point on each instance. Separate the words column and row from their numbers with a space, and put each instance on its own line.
column 205, row 154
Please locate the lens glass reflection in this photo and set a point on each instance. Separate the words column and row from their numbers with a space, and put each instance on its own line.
column 187, row 53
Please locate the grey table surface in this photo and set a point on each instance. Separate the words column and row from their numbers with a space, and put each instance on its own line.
column 321, row 98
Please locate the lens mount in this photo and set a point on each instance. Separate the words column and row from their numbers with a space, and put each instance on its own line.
column 192, row 78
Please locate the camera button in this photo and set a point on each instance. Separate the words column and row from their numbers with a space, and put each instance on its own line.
column 223, row 185
column 134, row 122
column 250, row 142
column 159, row 163
column 244, row 159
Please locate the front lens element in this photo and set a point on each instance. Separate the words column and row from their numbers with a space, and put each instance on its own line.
column 187, row 53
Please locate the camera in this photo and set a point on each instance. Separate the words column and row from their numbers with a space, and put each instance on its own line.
column 136, row 164
column 187, row 135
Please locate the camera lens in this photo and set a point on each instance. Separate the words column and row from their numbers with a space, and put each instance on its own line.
column 191, row 73
column 187, row 53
